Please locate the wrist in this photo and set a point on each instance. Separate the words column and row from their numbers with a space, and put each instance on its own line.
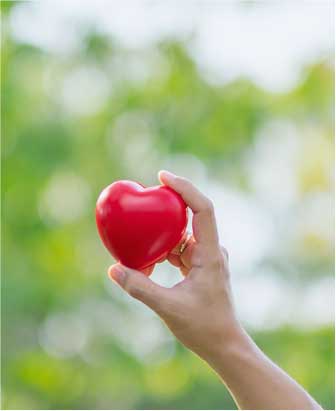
column 234, row 342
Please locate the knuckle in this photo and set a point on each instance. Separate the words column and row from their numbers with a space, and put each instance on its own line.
column 227, row 275
column 225, row 252
column 216, row 262
column 184, row 182
column 208, row 206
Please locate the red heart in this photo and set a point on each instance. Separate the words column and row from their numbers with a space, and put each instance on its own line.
column 140, row 226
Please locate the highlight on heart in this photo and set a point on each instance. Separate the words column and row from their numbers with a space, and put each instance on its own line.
column 167, row 205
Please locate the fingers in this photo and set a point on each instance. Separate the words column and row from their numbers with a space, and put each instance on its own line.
column 190, row 194
column 193, row 256
column 148, row 270
column 188, row 257
column 204, row 222
column 174, row 259
column 185, row 241
column 182, row 260
column 187, row 260
column 139, row 286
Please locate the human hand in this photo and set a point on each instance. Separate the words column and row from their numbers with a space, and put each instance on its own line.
column 198, row 310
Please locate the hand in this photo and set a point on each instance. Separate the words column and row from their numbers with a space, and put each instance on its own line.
column 199, row 309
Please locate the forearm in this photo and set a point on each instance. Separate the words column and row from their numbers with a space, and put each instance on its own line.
column 254, row 381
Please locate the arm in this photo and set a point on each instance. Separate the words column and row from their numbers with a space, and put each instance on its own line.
column 255, row 381
column 200, row 312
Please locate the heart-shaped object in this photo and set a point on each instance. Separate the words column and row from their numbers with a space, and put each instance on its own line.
column 140, row 226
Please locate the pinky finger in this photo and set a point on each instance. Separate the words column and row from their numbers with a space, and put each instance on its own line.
column 148, row 270
column 174, row 259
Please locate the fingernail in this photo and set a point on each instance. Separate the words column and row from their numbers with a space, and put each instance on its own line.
column 117, row 273
column 168, row 174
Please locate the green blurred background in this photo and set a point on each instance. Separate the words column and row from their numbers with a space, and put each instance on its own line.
column 236, row 96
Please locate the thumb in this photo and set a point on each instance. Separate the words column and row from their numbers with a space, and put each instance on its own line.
column 139, row 286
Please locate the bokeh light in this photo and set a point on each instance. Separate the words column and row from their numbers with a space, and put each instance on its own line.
column 236, row 96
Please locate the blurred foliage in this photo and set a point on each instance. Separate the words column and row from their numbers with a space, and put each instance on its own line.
column 57, row 140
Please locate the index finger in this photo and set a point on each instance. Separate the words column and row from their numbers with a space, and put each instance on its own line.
column 204, row 221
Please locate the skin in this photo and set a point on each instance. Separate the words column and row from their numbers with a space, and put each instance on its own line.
column 200, row 312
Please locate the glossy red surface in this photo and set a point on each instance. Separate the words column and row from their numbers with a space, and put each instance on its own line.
column 138, row 225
